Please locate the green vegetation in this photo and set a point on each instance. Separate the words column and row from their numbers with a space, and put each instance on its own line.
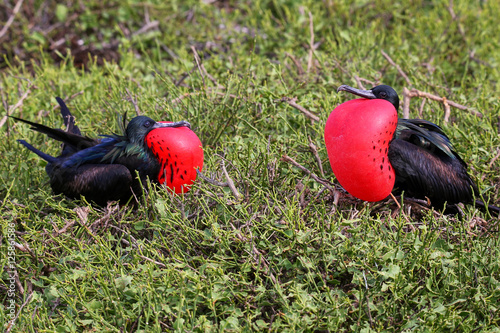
column 282, row 256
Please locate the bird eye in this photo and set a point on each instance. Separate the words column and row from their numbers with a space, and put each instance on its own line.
column 148, row 123
column 383, row 94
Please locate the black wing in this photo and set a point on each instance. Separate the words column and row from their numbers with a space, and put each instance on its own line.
column 422, row 174
column 99, row 183
column 427, row 135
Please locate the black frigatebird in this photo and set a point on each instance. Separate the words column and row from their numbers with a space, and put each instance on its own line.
column 410, row 155
column 106, row 169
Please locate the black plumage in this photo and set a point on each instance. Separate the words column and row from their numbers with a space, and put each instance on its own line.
column 424, row 160
column 426, row 164
column 100, row 169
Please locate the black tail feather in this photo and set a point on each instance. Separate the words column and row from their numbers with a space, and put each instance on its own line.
column 69, row 120
column 46, row 157
column 77, row 141
column 53, row 133
column 494, row 210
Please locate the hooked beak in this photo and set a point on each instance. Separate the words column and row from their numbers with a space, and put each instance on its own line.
column 181, row 123
column 362, row 93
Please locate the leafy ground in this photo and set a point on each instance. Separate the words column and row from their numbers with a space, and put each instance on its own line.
column 281, row 254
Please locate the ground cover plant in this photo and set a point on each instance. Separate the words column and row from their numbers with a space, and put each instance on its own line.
column 284, row 248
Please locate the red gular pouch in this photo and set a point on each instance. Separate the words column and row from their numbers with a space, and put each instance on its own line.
column 357, row 137
column 180, row 153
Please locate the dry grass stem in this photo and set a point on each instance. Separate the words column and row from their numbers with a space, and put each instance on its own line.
column 292, row 103
column 297, row 64
column 133, row 100
column 358, row 82
column 17, row 105
column 324, row 182
column 400, row 71
column 148, row 26
column 494, row 158
column 11, row 19
column 198, row 63
column 311, row 44
column 314, row 150
column 19, row 311
column 230, row 182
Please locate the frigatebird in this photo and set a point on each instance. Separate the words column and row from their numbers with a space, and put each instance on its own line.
column 410, row 155
column 117, row 166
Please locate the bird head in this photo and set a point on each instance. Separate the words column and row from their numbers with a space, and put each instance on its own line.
column 379, row 92
column 140, row 126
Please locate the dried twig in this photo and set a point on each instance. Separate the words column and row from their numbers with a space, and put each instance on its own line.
column 418, row 93
column 358, row 81
column 314, row 150
column 183, row 77
column 153, row 261
column 21, row 100
column 472, row 56
column 24, row 248
column 423, row 203
column 109, row 210
column 74, row 95
column 324, row 182
column 83, row 213
column 455, row 18
column 395, row 200
column 210, row 180
column 261, row 261
column 402, row 212
column 198, row 62
column 447, row 111
column 219, row 86
column 297, row 64
column 421, row 108
column 133, row 101
column 209, row 89
column 11, row 18
column 135, row 81
column 134, row 243
column 362, row 79
column 4, row 101
column 336, row 198
column 408, row 94
column 146, row 27
column 291, row 102
column 406, row 103
column 12, row 322
column 368, row 301
column 169, row 51
column 311, row 44
column 238, row 233
column 230, row 182
column 494, row 158
column 181, row 97
column 400, row 71
column 68, row 225
column 17, row 105
column 461, row 31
